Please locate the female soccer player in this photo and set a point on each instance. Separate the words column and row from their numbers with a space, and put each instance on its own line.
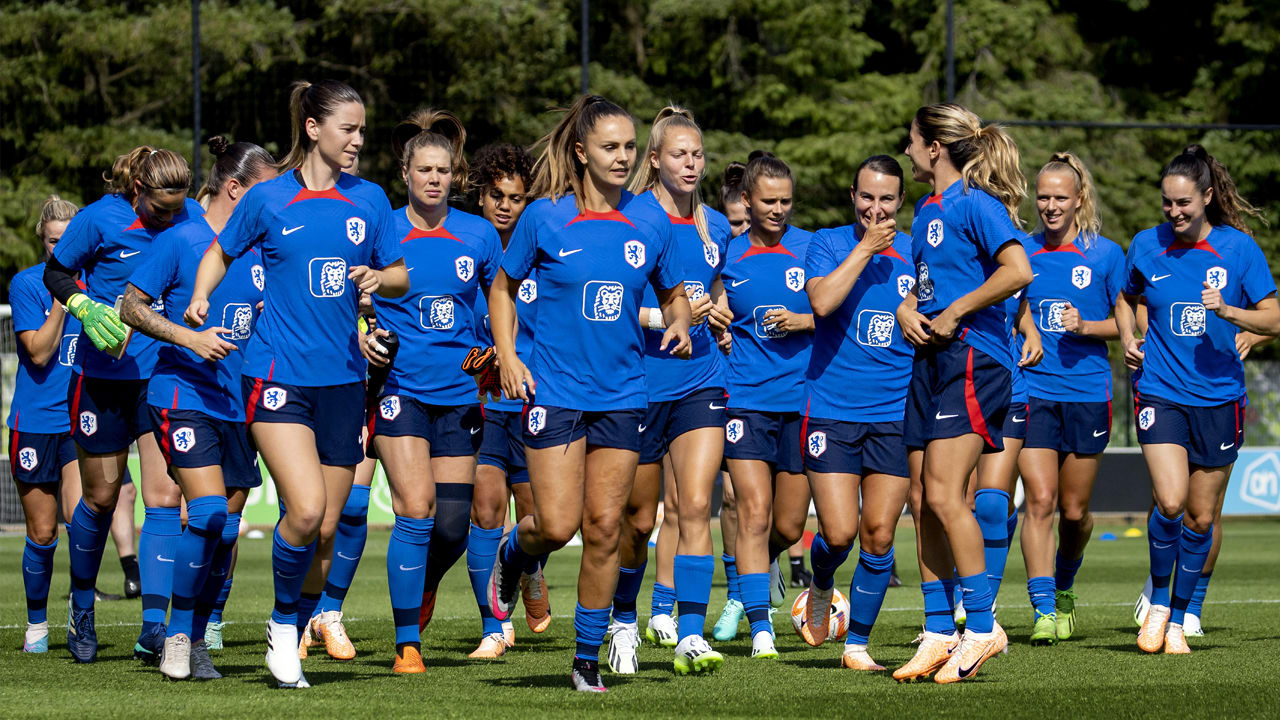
column 320, row 233
column 426, row 426
column 194, row 395
column 772, row 334
column 584, row 384
column 41, row 452
column 1189, row 396
column 685, row 416
column 107, row 241
column 968, row 259
column 501, row 176
column 1078, row 275
column 856, row 277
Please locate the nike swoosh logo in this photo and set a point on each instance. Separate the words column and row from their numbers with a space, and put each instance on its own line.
column 475, row 430
column 290, row 231
column 714, row 406
column 1158, row 546
column 1226, row 446
column 567, row 253
column 1156, row 278
column 642, row 428
column 32, row 571
column 1187, row 569
column 1019, row 420
column 1099, row 433
column 287, row 577
column 344, row 557
column 85, row 549
column 966, row 672
column 415, row 567
column 736, row 283
column 940, row 416
column 194, row 566
column 162, row 558
column 864, row 592
column 124, row 254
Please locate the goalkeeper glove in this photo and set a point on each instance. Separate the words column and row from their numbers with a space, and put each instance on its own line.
column 101, row 323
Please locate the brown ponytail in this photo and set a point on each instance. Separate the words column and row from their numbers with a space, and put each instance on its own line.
column 557, row 171
column 434, row 128
column 312, row 100
column 1226, row 206
column 157, row 170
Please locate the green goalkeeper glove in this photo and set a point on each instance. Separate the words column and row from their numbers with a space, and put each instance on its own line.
column 101, row 323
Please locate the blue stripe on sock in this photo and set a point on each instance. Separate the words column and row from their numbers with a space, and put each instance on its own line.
column 977, row 603
column 37, row 571
column 590, row 626
column 731, row 577
column 866, row 594
column 693, row 575
column 1040, row 592
column 1192, row 552
column 1163, row 535
column 664, row 600
column 937, row 607
column 755, row 600
column 624, row 598
column 1196, row 606
column 482, row 551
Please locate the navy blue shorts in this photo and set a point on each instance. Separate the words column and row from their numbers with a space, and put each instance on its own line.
column 773, row 437
column 503, row 444
column 956, row 390
column 38, row 458
column 1083, row 428
column 548, row 426
column 1211, row 435
column 335, row 413
column 451, row 431
column 667, row 420
column 107, row 415
column 192, row 439
column 841, row 446
column 1015, row 421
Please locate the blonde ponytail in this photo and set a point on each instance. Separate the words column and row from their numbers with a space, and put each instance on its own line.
column 671, row 116
column 157, row 170
column 986, row 157
column 1087, row 222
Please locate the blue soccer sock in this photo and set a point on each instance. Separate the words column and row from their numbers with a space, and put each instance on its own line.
column 590, row 625
column 348, row 546
column 513, row 554
column 157, row 544
column 482, row 551
column 991, row 507
column 1163, row 536
column 289, row 565
column 625, row 596
column 307, row 604
column 215, row 584
column 1064, row 571
column 977, row 603
column 664, row 600
column 1040, row 591
column 755, row 600
column 449, row 536
column 1192, row 553
column 731, row 577
column 693, row 575
column 206, row 518
column 407, row 552
column 230, row 533
column 37, row 570
column 938, row 616
column 825, row 562
column 1196, row 606
column 1012, row 525
column 866, row 594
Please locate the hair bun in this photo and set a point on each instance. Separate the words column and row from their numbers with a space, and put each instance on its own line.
column 218, row 145
column 756, row 154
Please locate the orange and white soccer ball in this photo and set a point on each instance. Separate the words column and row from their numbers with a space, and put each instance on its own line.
column 838, row 622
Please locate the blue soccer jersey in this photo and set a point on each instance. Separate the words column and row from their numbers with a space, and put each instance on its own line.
column 669, row 377
column 107, row 242
column 1074, row 368
column 858, row 345
column 954, row 240
column 767, row 366
column 40, row 393
column 450, row 269
column 1017, row 376
column 592, row 269
column 1190, row 353
column 183, row 380
column 526, row 312
column 308, row 240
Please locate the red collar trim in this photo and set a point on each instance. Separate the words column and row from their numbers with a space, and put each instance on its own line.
column 1199, row 245
column 439, row 232
column 330, row 194
column 1064, row 247
column 612, row 215
column 778, row 249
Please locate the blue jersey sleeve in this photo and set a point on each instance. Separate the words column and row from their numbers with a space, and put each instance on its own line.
column 522, row 248
column 159, row 272
column 668, row 271
column 819, row 261
column 243, row 230
column 991, row 221
column 492, row 259
column 79, row 241
column 27, row 299
column 1256, row 279
column 386, row 246
column 1134, row 282
column 1115, row 280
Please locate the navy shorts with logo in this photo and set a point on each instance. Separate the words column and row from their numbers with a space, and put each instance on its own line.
column 333, row 412
column 773, row 437
column 667, row 420
column 503, row 444
column 1083, row 428
column 452, row 431
column 107, row 415
column 38, row 458
column 857, row 448
column 1211, row 435
column 956, row 390
column 192, row 439
column 549, row 426
column 1015, row 422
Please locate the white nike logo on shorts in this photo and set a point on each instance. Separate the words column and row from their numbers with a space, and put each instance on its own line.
column 161, row 558
column 1226, row 446
column 1099, row 433
column 1018, row 419
column 475, row 430
column 940, row 416
column 344, row 557
column 714, row 406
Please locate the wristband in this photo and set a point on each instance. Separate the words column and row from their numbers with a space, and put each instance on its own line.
column 656, row 321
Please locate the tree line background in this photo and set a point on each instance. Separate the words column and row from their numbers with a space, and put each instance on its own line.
column 821, row 83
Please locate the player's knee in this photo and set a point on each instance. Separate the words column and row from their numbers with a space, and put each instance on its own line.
column 1075, row 513
column 1040, row 503
column 1200, row 521
column 696, row 508
column 42, row 533
column 877, row 538
column 639, row 522
column 305, row 519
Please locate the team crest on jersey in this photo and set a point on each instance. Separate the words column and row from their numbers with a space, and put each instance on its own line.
column 28, row 459
column 734, row 430
column 1051, row 315
column 602, row 300
column 274, row 398
column 435, row 312
column 1216, row 276
column 328, row 277
column 67, row 353
column 794, row 277
column 711, row 254
column 875, row 328
column 465, row 267
column 536, row 422
column 389, row 408
column 633, row 253
column 767, row 330
column 88, row 423
column 934, row 233
column 259, row 277
column 817, row 443
column 905, row 283
column 1147, row 418
column 184, row 439
column 1081, row 275
column 1187, row 319
column 528, row 291
column 922, row 280
column 238, row 318
column 355, row 230
column 694, row 289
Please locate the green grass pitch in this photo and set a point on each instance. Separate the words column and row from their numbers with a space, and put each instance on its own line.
column 1233, row 672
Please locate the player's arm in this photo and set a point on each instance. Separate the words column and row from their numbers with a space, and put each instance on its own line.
column 1126, row 314
column 828, row 293
column 391, row 281
column 517, row 381
column 1032, row 344
column 101, row 324
column 213, row 267
column 136, row 310
column 676, row 315
column 1262, row 319
column 42, row 344
column 914, row 325
column 1013, row 274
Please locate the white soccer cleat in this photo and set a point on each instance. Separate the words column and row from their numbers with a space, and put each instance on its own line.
column 695, row 657
column 662, row 631
column 1143, row 604
column 302, row 684
column 175, row 659
column 762, row 646
column 509, row 634
column 1191, row 626
column 777, row 586
column 624, row 638
column 282, row 653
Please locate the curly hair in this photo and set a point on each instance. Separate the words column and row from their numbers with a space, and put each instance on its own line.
column 501, row 160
